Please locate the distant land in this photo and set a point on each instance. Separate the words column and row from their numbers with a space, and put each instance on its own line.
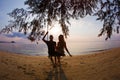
column 7, row 42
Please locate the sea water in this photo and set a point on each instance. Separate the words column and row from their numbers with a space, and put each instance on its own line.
column 75, row 48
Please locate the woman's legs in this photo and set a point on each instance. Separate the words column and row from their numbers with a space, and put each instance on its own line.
column 59, row 60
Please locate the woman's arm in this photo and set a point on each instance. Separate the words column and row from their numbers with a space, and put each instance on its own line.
column 67, row 50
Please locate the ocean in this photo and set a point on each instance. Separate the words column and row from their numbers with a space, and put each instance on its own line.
column 75, row 48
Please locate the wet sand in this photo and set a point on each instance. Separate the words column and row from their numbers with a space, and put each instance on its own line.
column 104, row 65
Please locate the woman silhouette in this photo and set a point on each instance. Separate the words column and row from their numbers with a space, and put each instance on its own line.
column 61, row 45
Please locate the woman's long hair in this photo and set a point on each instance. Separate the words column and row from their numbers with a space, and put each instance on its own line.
column 61, row 38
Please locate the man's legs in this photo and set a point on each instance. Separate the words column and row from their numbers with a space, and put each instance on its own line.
column 51, row 59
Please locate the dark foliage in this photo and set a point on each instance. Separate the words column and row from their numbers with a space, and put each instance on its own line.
column 42, row 14
column 109, row 13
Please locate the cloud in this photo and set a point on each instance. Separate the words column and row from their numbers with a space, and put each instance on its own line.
column 16, row 34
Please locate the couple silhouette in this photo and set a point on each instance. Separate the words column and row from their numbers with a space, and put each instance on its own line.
column 55, row 51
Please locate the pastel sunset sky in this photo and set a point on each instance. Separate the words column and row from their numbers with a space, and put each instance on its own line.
column 84, row 29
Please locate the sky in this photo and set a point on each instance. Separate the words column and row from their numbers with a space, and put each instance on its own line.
column 84, row 29
column 6, row 6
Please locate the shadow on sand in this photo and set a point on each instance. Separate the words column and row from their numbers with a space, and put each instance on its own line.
column 56, row 73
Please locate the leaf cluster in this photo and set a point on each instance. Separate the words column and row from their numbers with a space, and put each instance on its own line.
column 42, row 13
column 109, row 13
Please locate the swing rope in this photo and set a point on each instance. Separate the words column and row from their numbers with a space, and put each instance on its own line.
column 49, row 29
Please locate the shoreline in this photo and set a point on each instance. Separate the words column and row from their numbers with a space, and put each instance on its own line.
column 41, row 50
column 80, row 53
column 94, row 66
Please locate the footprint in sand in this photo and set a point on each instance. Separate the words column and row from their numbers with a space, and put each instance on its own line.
column 4, row 77
column 115, row 77
column 8, row 61
column 82, row 62
column 5, row 61
column 30, row 72
column 27, row 72
column 21, row 67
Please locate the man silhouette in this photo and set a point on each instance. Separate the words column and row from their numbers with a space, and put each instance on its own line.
column 51, row 47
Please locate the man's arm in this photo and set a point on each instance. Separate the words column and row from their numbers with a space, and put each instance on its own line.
column 44, row 37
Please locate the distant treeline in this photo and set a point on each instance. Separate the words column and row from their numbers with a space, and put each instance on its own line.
column 7, row 42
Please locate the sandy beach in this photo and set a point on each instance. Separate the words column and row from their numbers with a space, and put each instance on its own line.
column 104, row 65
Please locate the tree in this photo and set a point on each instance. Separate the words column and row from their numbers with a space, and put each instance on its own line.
column 109, row 13
column 42, row 13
